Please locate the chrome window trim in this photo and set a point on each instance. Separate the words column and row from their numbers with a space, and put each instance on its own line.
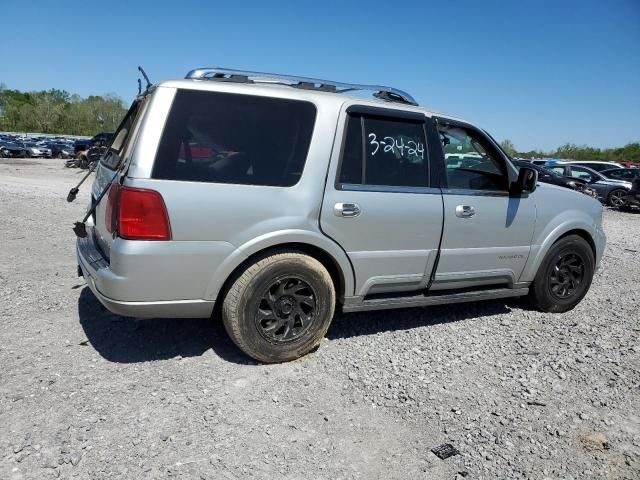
column 350, row 187
column 475, row 193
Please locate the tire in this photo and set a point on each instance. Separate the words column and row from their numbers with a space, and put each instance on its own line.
column 279, row 308
column 569, row 258
column 616, row 197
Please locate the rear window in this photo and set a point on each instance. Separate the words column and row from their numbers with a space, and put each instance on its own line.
column 229, row 138
column 119, row 139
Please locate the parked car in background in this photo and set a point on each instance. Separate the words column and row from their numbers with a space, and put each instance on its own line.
column 632, row 200
column 12, row 150
column 61, row 150
column 80, row 145
column 630, row 164
column 549, row 176
column 97, row 148
column 627, row 174
column 103, row 138
column 598, row 166
column 34, row 150
column 611, row 192
column 547, row 161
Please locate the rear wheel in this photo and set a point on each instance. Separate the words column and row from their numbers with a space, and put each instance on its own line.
column 564, row 277
column 616, row 198
column 279, row 308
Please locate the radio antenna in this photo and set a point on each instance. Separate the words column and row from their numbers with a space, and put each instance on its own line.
column 146, row 78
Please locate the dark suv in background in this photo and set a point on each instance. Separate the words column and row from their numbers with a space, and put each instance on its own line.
column 549, row 176
column 91, row 150
column 633, row 197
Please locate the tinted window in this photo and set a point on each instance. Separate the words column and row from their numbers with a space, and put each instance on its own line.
column 229, row 138
column 382, row 151
column 621, row 174
column 480, row 168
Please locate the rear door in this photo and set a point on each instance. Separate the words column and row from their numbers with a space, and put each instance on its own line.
column 379, row 203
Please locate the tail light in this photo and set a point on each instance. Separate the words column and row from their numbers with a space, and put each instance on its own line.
column 137, row 214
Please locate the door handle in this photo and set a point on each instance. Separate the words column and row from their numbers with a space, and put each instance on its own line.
column 465, row 211
column 346, row 210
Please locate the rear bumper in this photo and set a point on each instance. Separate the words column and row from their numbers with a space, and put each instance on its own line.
column 96, row 271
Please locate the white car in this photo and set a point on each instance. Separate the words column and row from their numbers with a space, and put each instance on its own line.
column 596, row 165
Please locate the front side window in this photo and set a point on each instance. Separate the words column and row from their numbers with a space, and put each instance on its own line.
column 230, row 138
column 384, row 151
column 582, row 174
column 471, row 162
column 623, row 174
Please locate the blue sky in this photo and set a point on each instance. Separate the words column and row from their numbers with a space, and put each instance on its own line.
column 541, row 73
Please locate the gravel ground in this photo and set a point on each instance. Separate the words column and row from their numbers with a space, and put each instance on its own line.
column 520, row 394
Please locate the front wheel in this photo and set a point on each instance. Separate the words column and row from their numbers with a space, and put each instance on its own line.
column 564, row 277
column 279, row 308
column 617, row 198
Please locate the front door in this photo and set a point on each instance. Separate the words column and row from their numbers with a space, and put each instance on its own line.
column 487, row 233
column 378, row 203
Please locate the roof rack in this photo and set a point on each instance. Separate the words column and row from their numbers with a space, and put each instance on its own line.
column 239, row 76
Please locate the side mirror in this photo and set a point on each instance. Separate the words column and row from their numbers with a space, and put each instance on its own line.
column 527, row 181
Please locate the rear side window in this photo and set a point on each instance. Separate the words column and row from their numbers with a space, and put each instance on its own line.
column 229, row 138
column 384, row 151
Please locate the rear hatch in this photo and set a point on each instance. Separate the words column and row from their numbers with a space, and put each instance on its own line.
column 111, row 168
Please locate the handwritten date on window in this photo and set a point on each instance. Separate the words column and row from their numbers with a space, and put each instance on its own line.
column 397, row 146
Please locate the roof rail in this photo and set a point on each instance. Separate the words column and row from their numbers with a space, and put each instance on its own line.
column 239, row 76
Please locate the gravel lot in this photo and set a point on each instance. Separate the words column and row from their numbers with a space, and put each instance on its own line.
column 521, row 394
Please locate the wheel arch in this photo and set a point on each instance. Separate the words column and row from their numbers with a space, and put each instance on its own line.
column 538, row 253
column 581, row 232
column 332, row 257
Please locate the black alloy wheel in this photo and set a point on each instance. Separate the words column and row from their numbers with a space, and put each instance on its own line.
column 279, row 307
column 286, row 310
column 566, row 276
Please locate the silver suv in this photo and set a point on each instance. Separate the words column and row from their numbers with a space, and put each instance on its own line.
column 278, row 199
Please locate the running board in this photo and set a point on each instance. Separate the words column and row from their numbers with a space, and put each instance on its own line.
column 432, row 299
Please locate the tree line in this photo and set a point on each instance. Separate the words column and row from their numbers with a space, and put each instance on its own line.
column 58, row 111
column 628, row 153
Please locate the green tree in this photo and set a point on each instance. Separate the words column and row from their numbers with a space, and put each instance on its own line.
column 57, row 111
column 509, row 148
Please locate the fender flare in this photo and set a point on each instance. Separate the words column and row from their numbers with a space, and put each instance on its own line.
column 283, row 238
column 571, row 220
